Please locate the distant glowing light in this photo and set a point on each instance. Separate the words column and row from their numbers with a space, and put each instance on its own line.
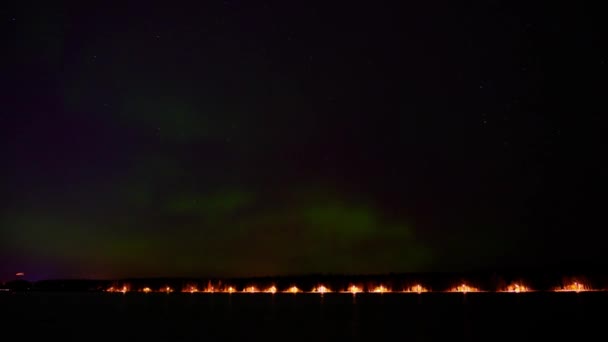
column 321, row 289
column 209, row 289
column 250, row 289
column 573, row 287
column 517, row 288
column 464, row 289
column 271, row 289
column 380, row 289
column 20, row 274
column 293, row 289
column 416, row 289
column 354, row 289
column 190, row 289
column 123, row 289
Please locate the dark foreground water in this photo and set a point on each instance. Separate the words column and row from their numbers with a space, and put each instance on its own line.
column 305, row 317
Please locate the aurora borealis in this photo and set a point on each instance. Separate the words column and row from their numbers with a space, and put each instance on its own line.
column 262, row 138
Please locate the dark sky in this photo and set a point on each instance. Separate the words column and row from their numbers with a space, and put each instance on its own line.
column 239, row 138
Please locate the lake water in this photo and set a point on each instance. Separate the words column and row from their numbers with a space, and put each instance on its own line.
column 304, row 317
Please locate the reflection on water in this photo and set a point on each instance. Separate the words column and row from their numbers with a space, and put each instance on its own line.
column 305, row 317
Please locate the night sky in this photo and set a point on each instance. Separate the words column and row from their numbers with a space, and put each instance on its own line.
column 250, row 138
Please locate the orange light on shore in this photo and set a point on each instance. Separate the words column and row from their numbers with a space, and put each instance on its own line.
column 569, row 285
column 573, row 287
column 190, row 289
column 464, row 288
column 209, row 288
column 354, row 289
column 120, row 289
column 321, row 289
column 293, row 289
column 250, row 289
column 271, row 289
column 380, row 289
column 517, row 288
column 416, row 289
